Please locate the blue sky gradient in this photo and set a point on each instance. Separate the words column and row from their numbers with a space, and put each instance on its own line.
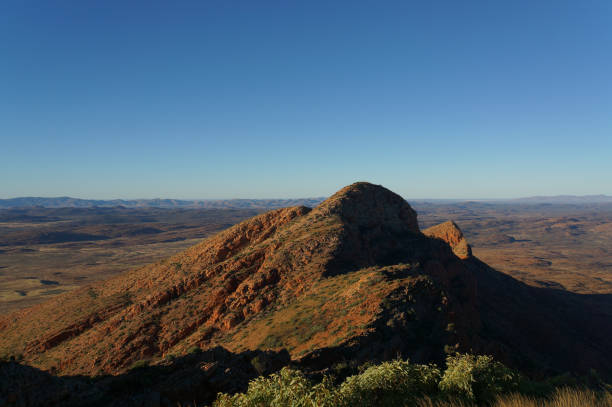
column 275, row 99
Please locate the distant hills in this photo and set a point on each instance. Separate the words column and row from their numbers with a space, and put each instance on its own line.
column 565, row 199
column 68, row 202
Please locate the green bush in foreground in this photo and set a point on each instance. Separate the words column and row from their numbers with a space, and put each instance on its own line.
column 477, row 378
column 286, row 388
column 468, row 380
column 389, row 384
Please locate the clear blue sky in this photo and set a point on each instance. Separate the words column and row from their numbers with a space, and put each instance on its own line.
column 227, row 99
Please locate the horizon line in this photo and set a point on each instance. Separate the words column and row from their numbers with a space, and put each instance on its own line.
column 599, row 195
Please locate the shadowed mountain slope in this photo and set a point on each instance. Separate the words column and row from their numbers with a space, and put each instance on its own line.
column 351, row 279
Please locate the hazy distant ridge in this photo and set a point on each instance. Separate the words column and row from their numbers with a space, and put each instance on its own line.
column 67, row 202
column 565, row 199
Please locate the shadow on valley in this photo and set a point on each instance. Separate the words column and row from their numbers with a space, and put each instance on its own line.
column 196, row 377
column 543, row 331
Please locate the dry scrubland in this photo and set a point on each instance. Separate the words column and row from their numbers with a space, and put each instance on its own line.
column 45, row 252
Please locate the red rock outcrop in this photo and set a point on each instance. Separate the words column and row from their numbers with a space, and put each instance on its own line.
column 451, row 234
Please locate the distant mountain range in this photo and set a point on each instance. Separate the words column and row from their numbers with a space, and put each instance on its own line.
column 533, row 200
column 68, row 202
column 565, row 199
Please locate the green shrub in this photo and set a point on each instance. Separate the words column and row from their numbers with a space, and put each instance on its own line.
column 468, row 380
column 477, row 378
column 390, row 383
column 286, row 388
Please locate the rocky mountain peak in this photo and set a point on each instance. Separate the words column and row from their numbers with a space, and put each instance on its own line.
column 366, row 204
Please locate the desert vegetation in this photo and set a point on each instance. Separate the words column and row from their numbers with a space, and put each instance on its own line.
column 467, row 380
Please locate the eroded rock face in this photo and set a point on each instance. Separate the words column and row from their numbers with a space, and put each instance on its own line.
column 451, row 234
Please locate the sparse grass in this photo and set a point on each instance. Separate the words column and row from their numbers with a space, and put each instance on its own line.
column 564, row 397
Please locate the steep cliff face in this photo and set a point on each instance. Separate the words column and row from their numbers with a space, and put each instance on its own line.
column 352, row 279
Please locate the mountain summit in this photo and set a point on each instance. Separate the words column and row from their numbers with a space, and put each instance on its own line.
column 366, row 205
column 352, row 279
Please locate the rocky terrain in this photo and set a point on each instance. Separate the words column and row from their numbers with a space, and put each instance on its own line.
column 354, row 279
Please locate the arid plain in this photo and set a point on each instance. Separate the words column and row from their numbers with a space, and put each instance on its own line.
column 48, row 251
